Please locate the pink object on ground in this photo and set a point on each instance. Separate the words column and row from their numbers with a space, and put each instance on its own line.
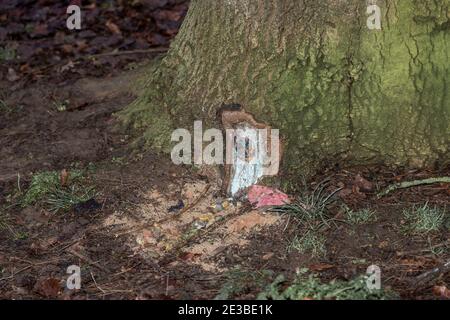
column 261, row 196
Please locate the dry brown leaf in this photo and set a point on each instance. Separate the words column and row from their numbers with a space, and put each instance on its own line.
column 49, row 288
column 268, row 256
column 113, row 27
column 441, row 291
column 189, row 256
column 363, row 184
column 64, row 177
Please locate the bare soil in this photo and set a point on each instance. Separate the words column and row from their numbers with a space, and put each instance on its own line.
column 134, row 248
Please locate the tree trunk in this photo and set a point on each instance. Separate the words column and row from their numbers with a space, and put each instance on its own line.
column 338, row 91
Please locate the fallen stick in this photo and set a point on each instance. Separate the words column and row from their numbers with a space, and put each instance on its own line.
column 16, row 273
column 129, row 52
column 87, row 260
column 95, row 283
column 408, row 184
column 432, row 274
column 13, row 274
column 405, row 253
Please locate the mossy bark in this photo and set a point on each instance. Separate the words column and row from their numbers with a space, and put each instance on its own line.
column 337, row 91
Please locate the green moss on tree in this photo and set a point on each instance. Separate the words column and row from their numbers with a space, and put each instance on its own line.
column 337, row 91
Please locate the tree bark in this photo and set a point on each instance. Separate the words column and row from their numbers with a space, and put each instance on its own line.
column 337, row 91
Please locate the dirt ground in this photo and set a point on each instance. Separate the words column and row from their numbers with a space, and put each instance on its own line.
column 137, row 242
column 132, row 247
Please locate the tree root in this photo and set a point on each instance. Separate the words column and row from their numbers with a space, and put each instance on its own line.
column 408, row 184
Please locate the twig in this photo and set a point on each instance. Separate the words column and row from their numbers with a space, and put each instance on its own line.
column 18, row 182
column 72, row 243
column 127, row 52
column 167, row 285
column 95, row 282
column 87, row 260
column 26, row 268
column 287, row 223
column 405, row 253
column 14, row 274
column 431, row 274
column 408, row 184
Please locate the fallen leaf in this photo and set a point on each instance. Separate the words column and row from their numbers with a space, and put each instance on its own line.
column 146, row 238
column 441, row 292
column 67, row 48
column 268, row 256
column 383, row 244
column 113, row 27
column 64, row 177
column 49, row 288
column 362, row 183
column 24, row 67
column 345, row 192
column 188, row 256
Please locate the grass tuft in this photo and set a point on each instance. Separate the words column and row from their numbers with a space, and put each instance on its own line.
column 64, row 199
column 361, row 216
column 46, row 188
column 310, row 214
column 310, row 208
column 42, row 184
column 312, row 243
column 7, row 54
column 310, row 287
column 4, row 107
column 4, row 225
column 424, row 219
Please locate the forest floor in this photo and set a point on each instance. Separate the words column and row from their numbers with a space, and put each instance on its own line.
column 73, row 192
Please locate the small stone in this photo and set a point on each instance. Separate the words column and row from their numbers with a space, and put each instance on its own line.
column 268, row 256
column 180, row 205
column 225, row 204
column 206, row 217
column 199, row 224
column 217, row 208
column 12, row 75
column 146, row 238
column 83, row 221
